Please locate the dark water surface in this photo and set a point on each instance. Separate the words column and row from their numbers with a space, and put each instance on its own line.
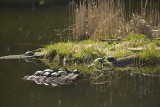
column 23, row 29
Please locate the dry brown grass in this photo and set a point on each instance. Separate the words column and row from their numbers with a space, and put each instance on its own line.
column 108, row 19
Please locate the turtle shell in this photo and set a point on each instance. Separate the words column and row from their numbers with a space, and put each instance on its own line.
column 29, row 53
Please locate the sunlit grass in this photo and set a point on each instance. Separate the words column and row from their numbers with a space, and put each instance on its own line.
column 88, row 50
column 150, row 54
column 136, row 40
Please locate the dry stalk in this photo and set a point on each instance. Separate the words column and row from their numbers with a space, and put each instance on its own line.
column 108, row 19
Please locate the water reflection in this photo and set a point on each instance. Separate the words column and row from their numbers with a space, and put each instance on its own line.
column 129, row 90
column 121, row 89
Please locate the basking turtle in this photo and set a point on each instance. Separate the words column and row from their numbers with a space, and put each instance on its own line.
column 77, row 71
column 62, row 72
column 55, row 77
column 47, row 74
column 48, row 70
column 29, row 53
column 68, row 71
column 39, row 73
column 55, row 74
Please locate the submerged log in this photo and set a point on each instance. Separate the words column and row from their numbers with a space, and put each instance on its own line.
column 23, row 56
column 126, row 61
column 55, row 81
column 111, row 62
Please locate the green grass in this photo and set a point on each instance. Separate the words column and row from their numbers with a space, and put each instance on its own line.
column 61, row 48
column 150, row 54
column 136, row 40
column 135, row 37
column 88, row 50
column 156, row 43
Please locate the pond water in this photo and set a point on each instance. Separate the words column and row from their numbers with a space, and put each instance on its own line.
column 22, row 29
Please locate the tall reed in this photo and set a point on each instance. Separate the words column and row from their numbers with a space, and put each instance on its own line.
column 110, row 19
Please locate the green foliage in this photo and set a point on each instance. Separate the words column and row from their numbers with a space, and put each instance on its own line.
column 61, row 48
column 136, row 40
column 64, row 49
column 135, row 37
column 89, row 41
column 87, row 54
column 156, row 42
column 150, row 54
column 121, row 52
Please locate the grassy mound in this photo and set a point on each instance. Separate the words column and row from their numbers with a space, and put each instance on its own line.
column 88, row 50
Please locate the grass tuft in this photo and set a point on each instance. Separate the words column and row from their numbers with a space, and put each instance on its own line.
column 150, row 54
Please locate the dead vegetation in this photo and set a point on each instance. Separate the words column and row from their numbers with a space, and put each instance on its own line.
column 110, row 19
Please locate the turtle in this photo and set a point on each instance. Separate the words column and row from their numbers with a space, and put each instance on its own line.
column 47, row 74
column 56, row 69
column 68, row 71
column 29, row 53
column 55, row 74
column 39, row 73
column 62, row 72
column 48, row 70
column 77, row 71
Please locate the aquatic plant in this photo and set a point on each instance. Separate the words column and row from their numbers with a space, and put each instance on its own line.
column 156, row 42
